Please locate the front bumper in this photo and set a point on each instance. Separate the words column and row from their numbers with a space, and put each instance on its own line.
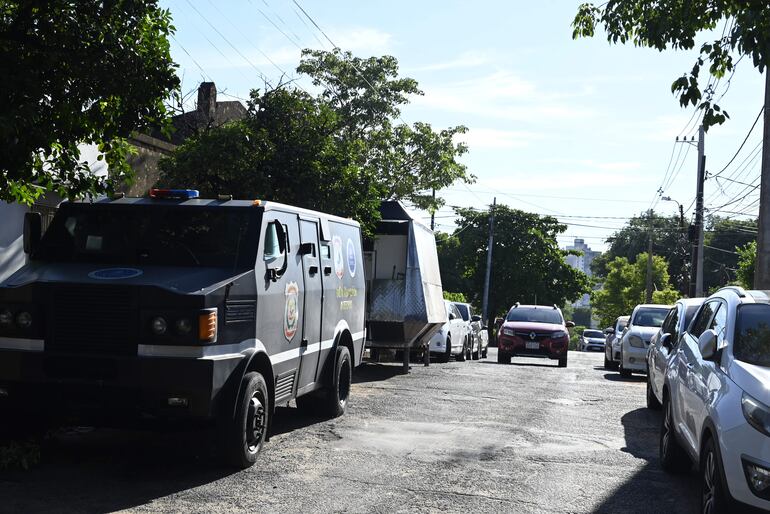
column 591, row 347
column 634, row 359
column 553, row 349
column 737, row 445
column 113, row 387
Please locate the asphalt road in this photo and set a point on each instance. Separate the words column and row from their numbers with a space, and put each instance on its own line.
column 462, row 436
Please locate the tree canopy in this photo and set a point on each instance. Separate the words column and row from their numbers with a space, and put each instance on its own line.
column 342, row 151
column 663, row 24
column 73, row 73
column 625, row 287
column 527, row 264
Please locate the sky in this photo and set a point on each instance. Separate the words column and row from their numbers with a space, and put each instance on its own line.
column 577, row 129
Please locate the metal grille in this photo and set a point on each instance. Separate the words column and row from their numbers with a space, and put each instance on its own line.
column 539, row 336
column 93, row 320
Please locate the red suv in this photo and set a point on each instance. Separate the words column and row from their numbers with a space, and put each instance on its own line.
column 534, row 331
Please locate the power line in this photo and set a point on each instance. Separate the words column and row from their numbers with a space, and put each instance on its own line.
column 743, row 143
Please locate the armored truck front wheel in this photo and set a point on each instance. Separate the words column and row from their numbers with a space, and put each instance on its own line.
column 246, row 433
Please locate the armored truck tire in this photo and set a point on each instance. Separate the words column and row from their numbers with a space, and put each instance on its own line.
column 336, row 397
column 246, row 433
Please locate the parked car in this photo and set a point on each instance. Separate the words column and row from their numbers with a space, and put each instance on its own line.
column 612, row 343
column 474, row 328
column 645, row 321
column 716, row 401
column 664, row 343
column 452, row 337
column 483, row 341
column 591, row 340
column 534, row 331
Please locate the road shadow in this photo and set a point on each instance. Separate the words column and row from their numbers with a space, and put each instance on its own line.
column 651, row 489
column 106, row 470
column 546, row 364
column 615, row 377
column 289, row 419
column 378, row 371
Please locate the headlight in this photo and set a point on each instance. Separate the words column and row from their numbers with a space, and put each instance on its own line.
column 636, row 341
column 6, row 317
column 558, row 334
column 183, row 326
column 508, row 332
column 756, row 413
column 24, row 319
column 158, row 325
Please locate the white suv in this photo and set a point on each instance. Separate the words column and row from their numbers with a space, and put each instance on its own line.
column 716, row 398
column 452, row 337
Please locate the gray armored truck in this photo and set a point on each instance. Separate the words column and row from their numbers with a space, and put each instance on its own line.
column 179, row 308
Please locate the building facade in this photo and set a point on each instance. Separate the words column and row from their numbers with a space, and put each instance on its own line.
column 583, row 263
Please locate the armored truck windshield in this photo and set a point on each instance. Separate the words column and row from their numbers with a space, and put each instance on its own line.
column 152, row 234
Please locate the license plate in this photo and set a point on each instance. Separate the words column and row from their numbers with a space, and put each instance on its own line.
column 530, row 345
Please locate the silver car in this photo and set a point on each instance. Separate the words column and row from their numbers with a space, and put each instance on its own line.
column 663, row 345
column 591, row 340
column 612, row 343
column 645, row 321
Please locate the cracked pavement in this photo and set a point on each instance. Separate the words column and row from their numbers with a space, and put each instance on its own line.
column 462, row 436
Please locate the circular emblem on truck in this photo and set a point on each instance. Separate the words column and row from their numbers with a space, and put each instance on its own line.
column 351, row 258
column 291, row 312
column 115, row 273
column 339, row 261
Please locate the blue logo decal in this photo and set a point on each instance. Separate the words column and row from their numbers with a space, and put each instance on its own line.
column 115, row 273
column 351, row 258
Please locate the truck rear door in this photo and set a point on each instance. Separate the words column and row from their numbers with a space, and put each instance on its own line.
column 312, row 307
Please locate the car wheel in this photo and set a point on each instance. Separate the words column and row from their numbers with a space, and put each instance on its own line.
column 652, row 401
column 672, row 456
column 503, row 358
column 607, row 364
column 623, row 371
column 484, row 353
column 445, row 356
column 713, row 497
column 461, row 356
column 246, row 432
column 475, row 355
column 563, row 362
column 337, row 395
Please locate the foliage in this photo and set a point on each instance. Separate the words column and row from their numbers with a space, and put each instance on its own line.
column 74, row 73
column 286, row 150
column 527, row 262
column 582, row 316
column 338, row 152
column 454, row 297
column 720, row 260
column 574, row 336
column 625, row 287
column 407, row 161
column 747, row 259
column 661, row 24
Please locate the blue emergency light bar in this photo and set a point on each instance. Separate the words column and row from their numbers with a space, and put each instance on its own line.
column 175, row 194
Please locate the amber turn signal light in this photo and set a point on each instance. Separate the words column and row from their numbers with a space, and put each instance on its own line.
column 207, row 326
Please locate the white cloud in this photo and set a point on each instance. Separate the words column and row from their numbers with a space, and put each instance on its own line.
column 497, row 139
column 362, row 42
column 503, row 95
column 468, row 59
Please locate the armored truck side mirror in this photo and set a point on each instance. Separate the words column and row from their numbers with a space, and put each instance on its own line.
column 33, row 230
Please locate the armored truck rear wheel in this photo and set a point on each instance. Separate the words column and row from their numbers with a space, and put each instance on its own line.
column 245, row 435
column 336, row 398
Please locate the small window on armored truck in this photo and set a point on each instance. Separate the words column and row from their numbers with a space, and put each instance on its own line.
column 274, row 247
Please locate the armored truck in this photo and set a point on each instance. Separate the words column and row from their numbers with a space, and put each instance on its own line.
column 176, row 308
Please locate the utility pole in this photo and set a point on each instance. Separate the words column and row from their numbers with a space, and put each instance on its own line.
column 648, row 295
column 485, row 301
column 433, row 211
column 696, row 273
column 762, row 266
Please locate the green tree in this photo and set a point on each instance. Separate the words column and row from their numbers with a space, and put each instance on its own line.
column 747, row 259
column 454, row 297
column 720, row 260
column 527, row 263
column 453, row 276
column 661, row 24
column 409, row 162
column 287, row 149
column 625, row 287
column 77, row 72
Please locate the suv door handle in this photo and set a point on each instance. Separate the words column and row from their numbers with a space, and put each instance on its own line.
column 303, row 343
column 312, row 270
column 327, row 270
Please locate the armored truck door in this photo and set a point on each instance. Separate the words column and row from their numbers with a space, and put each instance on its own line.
column 313, row 304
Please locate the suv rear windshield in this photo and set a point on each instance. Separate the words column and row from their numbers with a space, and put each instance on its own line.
column 535, row 315
column 151, row 235
column 593, row 333
column 650, row 317
column 752, row 334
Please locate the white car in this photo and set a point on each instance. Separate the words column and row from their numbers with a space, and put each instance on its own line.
column 591, row 340
column 716, row 401
column 662, row 344
column 452, row 337
column 612, row 343
column 645, row 321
